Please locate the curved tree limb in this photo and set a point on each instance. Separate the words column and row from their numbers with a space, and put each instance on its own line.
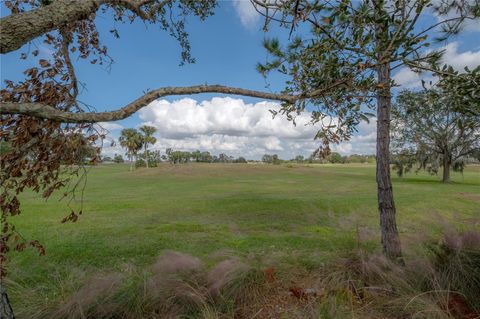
column 43, row 111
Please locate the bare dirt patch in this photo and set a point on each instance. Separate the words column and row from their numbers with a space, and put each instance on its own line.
column 470, row 196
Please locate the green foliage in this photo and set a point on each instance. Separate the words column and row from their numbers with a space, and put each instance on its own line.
column 299, row 158
column 148, row 132
column 181, row 157
column 434, row 127
column 271, row 159
column 335, row 158
column 356, row 158
column 464, row 90
column 178, row 157
column 335, row 50
column 5, row 147
column 240, row 159
column 131, row 140
column 117, row 158
column 140, row 163
column 403, row 161
column 153, row 158
column 196, row 155
column 223, row 158
column 147, row 139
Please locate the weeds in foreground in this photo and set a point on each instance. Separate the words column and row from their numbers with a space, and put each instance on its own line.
column 442, row 282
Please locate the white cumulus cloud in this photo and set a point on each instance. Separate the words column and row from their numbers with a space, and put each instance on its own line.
column 452, row 56
column 249, row 17
column 229, row 125
column 459, row 60
column 223, row 116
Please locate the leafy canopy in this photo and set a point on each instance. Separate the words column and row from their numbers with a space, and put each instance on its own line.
column 337, row 47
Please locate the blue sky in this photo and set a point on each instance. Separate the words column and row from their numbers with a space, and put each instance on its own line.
column 227, row 46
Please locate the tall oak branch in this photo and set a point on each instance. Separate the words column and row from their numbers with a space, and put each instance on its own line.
column 20, row 28
column 43, row 111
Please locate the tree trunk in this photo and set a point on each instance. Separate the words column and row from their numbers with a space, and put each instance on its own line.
column 18, row 29
column 446, row 168
column 130, row 158
column 6, row 311
column 146, row 156
column 386, row 206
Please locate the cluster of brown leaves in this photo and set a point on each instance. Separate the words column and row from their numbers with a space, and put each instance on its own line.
column 43, row 155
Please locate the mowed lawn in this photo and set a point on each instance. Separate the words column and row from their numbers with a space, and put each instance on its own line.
column 292, row 215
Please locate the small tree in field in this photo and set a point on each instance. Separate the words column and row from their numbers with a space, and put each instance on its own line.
column 348, row 49
column 148, row 139
column 118, row 158
column 196, row 155
column 132, row 141
column 240, row 159
column 267, row 158
column 335, row 158
column 430, row 122
column 299, row 158
column 206, row 157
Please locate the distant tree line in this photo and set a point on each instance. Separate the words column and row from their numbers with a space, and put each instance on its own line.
column 337, row 158
column 179, row 157
column 271, row 159
column 117, row 158
column 314, row 158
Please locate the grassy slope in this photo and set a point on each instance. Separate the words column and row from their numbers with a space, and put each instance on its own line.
column 298, row 215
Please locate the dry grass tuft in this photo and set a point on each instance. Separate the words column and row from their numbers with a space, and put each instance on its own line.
column 93, row 300
column 172, row 262
column 176, row 284
column 224, row 275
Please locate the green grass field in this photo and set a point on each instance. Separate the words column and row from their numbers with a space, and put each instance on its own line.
column 293, row 216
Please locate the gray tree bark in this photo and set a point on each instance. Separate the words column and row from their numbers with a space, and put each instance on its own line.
column 130, row 158
column 18, row 29
column 146, row 155
column 21, row 28
column 386, row 205
column 6, row 311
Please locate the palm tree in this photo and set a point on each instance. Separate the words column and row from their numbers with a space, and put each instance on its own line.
column 147, row 139
column 131, row 140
